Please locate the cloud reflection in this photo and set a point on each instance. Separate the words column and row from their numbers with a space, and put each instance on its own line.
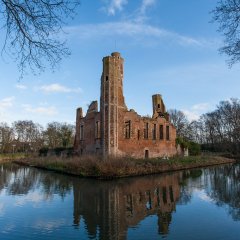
column 32, row 197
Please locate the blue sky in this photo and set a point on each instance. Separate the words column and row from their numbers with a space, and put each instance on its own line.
column 169, row 47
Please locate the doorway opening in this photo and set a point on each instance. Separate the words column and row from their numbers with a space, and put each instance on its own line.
column 146, row 154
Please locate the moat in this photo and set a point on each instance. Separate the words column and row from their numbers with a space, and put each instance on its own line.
column 193, row 204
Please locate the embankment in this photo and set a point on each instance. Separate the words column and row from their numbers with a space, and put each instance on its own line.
column 121, row 167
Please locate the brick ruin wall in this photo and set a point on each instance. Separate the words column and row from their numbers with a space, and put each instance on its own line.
column 137, row 144
column 115, row 131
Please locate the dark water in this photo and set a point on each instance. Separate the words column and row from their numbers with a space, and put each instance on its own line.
column 198, row 204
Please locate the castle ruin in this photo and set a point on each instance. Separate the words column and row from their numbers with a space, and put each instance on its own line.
column 117, row 131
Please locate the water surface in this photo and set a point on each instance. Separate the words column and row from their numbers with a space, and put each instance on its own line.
column 196, row 204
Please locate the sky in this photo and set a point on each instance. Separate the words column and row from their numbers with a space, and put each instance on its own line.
column 169, row 47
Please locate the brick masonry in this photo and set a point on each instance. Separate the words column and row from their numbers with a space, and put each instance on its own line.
column 117, row 131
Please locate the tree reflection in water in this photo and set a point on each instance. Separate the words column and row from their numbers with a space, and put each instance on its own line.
column 224, row 188
column 21, row 180
column 110, row 208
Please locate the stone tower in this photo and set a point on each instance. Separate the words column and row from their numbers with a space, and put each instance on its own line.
column 158, row 105
column 79, row 116
column 111, row 101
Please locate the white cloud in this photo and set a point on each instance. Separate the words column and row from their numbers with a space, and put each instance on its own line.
column 6, row 109
column 58, row 88
column 135, row 27
column 196, row 111
column 201, row 107
column 136, row 30
column 115, row 5
column 191, row 115
column 21, row 86
column 140, row 15
column 6, row 102
column 49, row 111
column 146, row 4
column 44, row 103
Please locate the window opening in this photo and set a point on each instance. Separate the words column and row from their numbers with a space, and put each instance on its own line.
column 161, row 132
column 146, row 131
column 154, row 131
column 127, row 129
column 167, row 133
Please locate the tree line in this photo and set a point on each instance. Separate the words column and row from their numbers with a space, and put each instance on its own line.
column 218, row 130
column 28, row 136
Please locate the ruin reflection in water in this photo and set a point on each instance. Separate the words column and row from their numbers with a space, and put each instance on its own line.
column 109, row 209
column 114, row 207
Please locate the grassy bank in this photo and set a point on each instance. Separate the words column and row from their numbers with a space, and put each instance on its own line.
column 122, row 167
column 8, row 157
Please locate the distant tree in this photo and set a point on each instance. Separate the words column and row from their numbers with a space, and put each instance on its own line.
column 52, row 135
column 59, row 135
column 31, row 31
column 219, row 130
column 227, row 14
column 28, row 135
column 180, row 121
column 197, row 131
column 67, row 135
column 6, row 137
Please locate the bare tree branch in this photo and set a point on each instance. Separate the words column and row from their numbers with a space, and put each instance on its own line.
column 227, row 14
column 32, row 31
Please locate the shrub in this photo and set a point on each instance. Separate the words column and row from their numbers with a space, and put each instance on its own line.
column 59, row 150
column 194, row 148
column 182, row 142
column 43, row 152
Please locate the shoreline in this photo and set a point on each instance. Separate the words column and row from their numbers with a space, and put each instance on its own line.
column 121, row 168
column 9, row 157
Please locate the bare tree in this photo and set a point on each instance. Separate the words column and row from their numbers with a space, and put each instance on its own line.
column 180, row 121
column 59, row 135
column 67, row 134
column 6, row 137
column 197, row 131
column 219, row 130
column 32, row 31
column 227, row 14
column 52, row 136
column 28, row 135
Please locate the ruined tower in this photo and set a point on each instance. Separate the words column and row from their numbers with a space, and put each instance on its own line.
column 111, row 101
column 158, row 105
